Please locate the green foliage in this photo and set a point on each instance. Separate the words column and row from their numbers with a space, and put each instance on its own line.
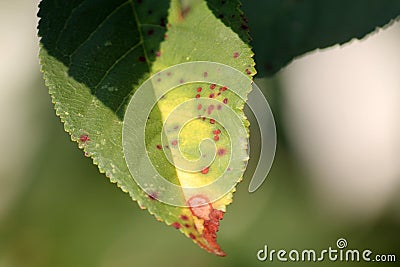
column 284, row 29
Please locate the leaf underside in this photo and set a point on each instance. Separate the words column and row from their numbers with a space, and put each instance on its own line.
column 96, row 53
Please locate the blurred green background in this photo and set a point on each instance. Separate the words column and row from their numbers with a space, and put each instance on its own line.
column 336, row 172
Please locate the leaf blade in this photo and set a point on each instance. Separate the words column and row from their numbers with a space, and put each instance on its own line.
column 90, row 86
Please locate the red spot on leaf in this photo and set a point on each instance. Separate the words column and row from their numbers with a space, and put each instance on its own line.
column 205, row 170
column 84, row 138
column 174, row 142
column 199, row 106
column 248, row 71
column 159, row 147
column 205, row 74
column 142, row 59
column 223, row 88
column 225, row 100
column 158, row 54
column 212, row 86
column 236, row 55
column 184, row 217
column 198, row 96
column 176, row 225
column 216, row 137
column 211, row 96
column 221, row 152
column 218, row 131
column 219, row 107
column 212, row 121
column 192, row 236
column 199, row 89
column 184, row 12
column 150, row 32
column 187, row 225
column 210, row 109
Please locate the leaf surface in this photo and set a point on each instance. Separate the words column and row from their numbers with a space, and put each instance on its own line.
column 94, row 56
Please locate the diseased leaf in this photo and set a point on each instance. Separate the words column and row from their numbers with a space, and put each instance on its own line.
column 284, row 29
column 94, row 56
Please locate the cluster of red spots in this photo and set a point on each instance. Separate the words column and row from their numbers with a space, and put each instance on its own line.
column 176, row 225
column 211, row 227
column 84, row 138
column 216, row 134
column 142, row 59
column 225, row 101
column 236, row 55
column 159, row 147
column 221, row 152
column 205, row 170
column 212, row 86
column 200, row 207
column 248, row 72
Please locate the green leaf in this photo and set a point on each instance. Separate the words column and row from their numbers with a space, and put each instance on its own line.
column 283, row 30
column 94, row 56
